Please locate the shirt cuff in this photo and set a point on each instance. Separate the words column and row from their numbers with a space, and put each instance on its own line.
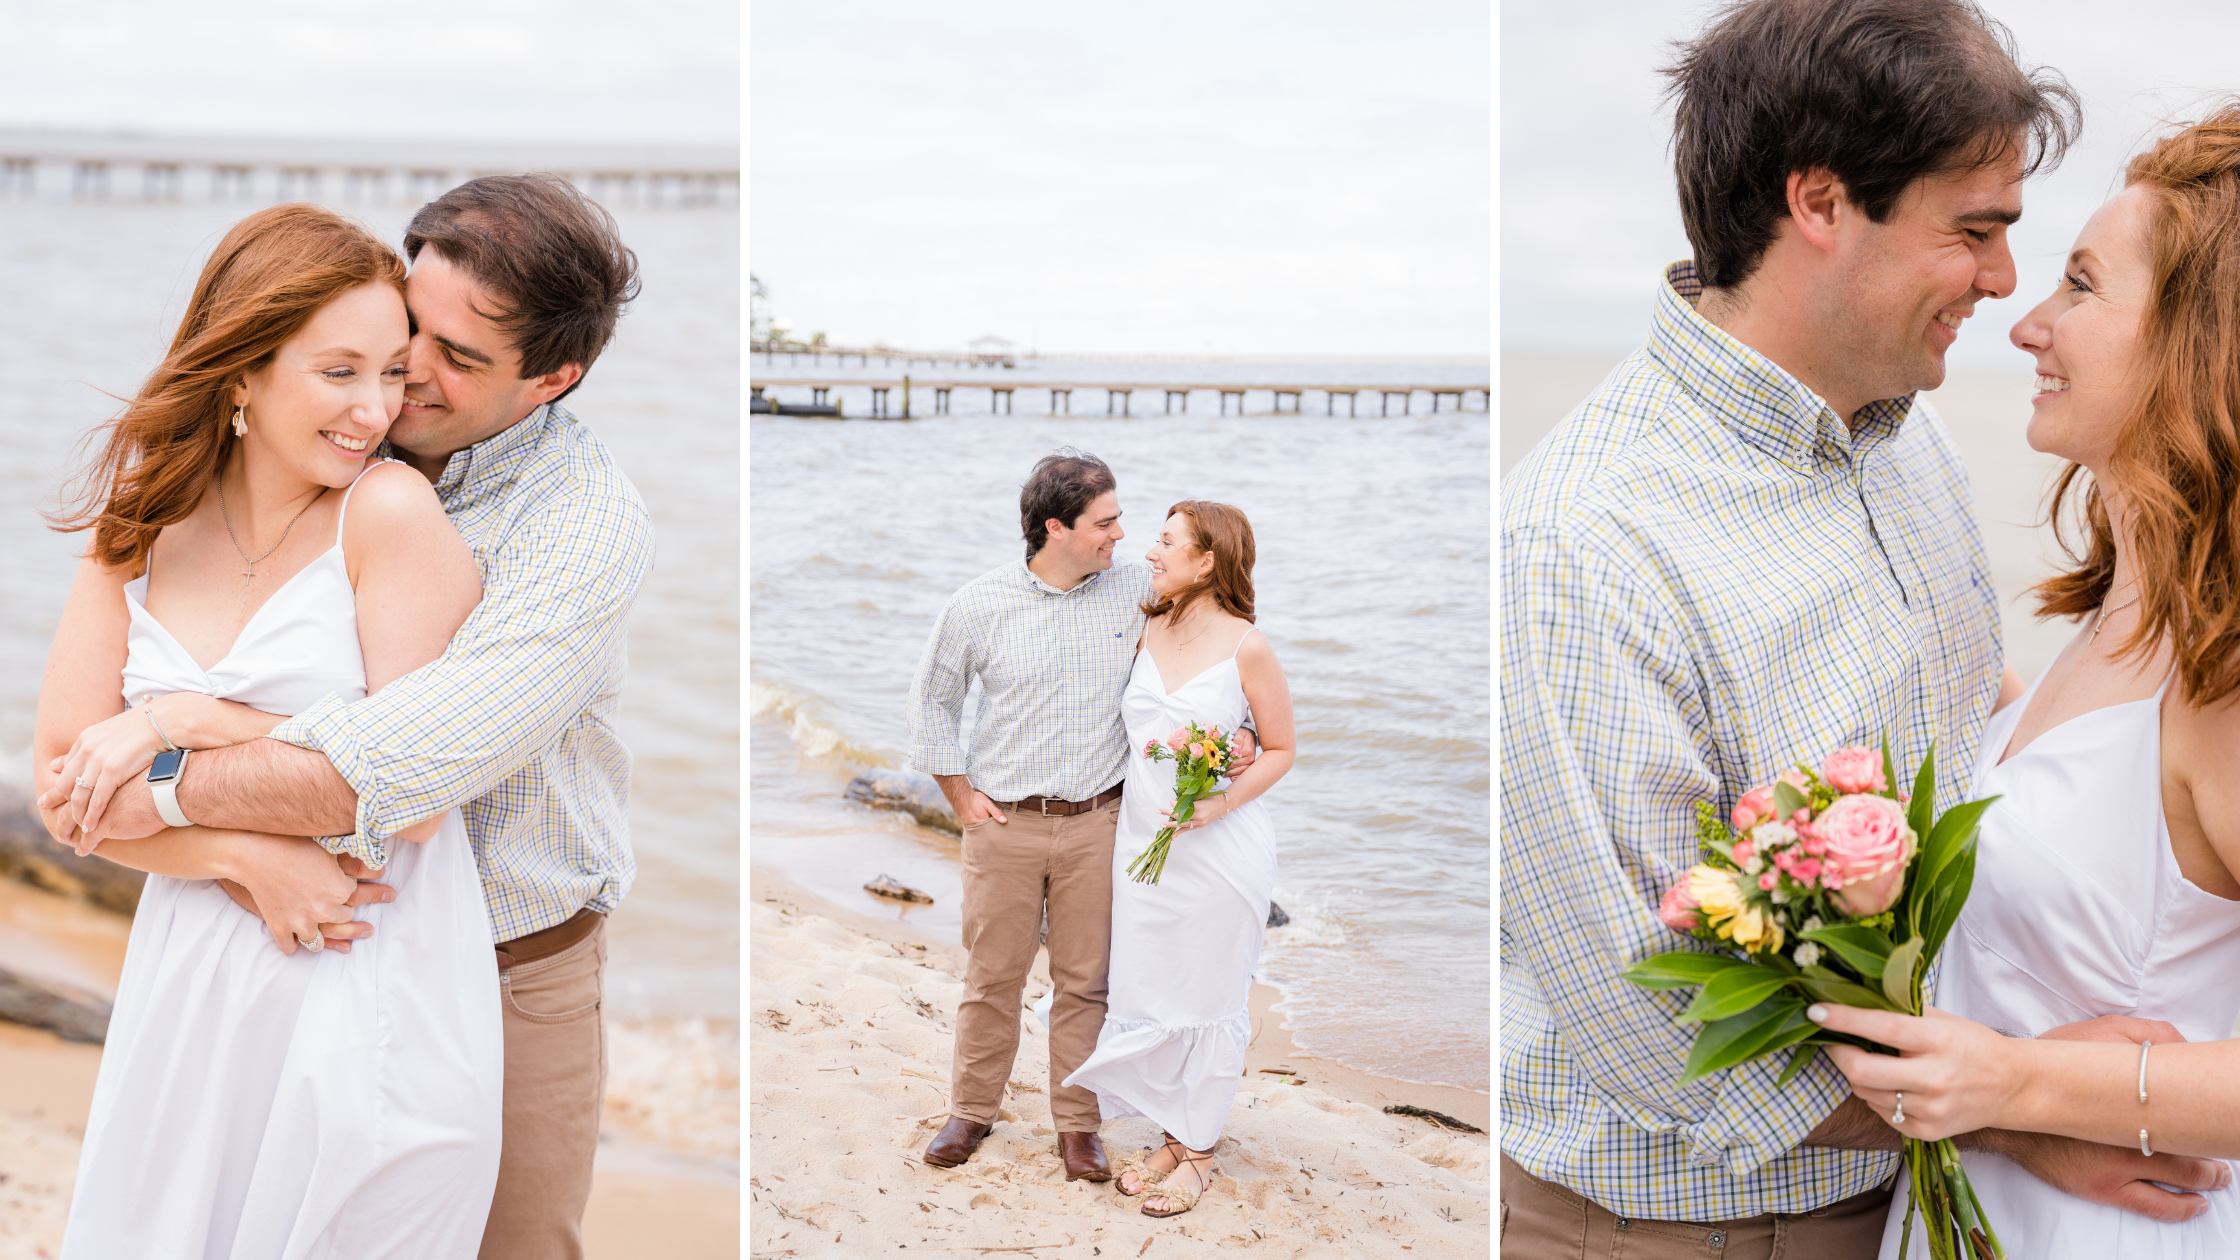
column 1779, row 1118
column 939, row 759
column 324, row 728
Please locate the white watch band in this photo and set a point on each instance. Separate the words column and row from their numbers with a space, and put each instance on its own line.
column 166, row 792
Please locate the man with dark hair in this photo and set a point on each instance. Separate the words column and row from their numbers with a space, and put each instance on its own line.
column 1052, row 639
column 1753, row 543
column 514, row 291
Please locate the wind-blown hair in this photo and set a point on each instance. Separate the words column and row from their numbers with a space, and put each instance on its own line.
column 1223, row 531
column 262, row 284
column 2177, row 453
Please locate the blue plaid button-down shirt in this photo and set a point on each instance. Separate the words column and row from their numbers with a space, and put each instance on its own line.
column 1051, row 665
column 516, row 720
column 1707, row 577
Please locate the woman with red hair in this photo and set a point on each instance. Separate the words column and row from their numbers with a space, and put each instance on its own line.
column 2107, row 887
column 1183, row 949
column 299, row 1063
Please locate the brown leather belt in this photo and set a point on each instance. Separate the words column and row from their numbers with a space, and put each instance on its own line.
column 1050, row 808
column 550, row 941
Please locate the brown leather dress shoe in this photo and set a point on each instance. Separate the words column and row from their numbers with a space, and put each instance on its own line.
column 1084, row 1156
column 955, row 1143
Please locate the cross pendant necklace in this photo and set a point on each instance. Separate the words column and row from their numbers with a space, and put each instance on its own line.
column 248, row 562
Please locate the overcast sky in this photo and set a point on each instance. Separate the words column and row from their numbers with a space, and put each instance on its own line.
column 1271, row 176
column 545, row 70
column 1588, row 215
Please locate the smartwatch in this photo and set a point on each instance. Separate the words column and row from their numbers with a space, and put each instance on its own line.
column 163, row 781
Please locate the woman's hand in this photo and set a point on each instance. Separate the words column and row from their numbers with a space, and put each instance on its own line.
column 302, row 892
column 1211, row 809
column 1957, row 1075
column 107, row 753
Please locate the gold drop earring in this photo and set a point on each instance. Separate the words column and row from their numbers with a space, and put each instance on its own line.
column 240, row 426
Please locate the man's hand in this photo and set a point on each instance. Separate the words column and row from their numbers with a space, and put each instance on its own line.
column 969, row 803
column 1243, row 751
column 1854, row 1127
column 2113, row 1175
column 2121, row 1029
column 299, row 889
column 338, row 935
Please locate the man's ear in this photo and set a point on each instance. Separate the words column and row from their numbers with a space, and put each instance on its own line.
column 551, row 385
column 1055, row 527
column 1818, row 205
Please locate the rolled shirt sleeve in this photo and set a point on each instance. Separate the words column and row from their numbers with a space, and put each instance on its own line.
column 557, row 597
column 1605, row 736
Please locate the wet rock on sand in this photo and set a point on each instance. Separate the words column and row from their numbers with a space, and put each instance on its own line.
column 29, row 854
column 889, row 886
column 907, row 792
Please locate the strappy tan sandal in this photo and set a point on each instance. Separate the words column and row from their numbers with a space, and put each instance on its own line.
column 1146, row 1175
column 1179, row 1198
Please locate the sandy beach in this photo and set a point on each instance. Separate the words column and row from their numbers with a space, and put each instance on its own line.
column 645, row 1201
column 850, row 1042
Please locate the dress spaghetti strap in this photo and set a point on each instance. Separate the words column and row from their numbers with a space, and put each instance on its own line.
column 1248, row 632
column 342, row 513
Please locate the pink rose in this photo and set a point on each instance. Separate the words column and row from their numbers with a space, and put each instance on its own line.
column 1756, row 806
column 1769, row 881
column 1855, row 770
column 1743, row 849
column 1179, row 739
column 1678, row 909
column 1868, row 846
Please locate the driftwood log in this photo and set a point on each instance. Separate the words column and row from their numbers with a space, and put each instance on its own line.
column 29, row 854
column 916, row 794
column 79, row 1017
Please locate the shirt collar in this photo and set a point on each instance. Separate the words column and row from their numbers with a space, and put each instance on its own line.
column 495, row 455
column 1028, row 576
column 1766, row 406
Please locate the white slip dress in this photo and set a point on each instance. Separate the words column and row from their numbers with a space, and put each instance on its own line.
column 255, row 1105
column 1177, row 1015
column 2078, row 910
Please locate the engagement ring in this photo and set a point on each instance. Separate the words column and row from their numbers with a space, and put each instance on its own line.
column 84, row 782
column 1898, row 1117
column 317, row 942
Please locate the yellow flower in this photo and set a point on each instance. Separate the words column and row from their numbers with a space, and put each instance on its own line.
column 1715, row 891
column 1755, row 930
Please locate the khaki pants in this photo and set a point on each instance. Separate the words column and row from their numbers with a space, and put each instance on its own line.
column 1541, row 1220
column 556, row 1079
column 1010, row 870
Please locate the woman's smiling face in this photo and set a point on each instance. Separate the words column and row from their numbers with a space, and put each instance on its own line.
column 2085, row 337
column 330, row 392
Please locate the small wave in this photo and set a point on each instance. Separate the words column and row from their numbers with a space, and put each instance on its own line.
column 675, row 1083
column 15, row 769
column 807, row 728
column 1313, row 922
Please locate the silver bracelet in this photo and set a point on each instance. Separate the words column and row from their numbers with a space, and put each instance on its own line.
column 2144, row 1046
column 148, row 707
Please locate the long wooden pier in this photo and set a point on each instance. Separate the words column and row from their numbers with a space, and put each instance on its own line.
column 1118, row 395
column 260, row 170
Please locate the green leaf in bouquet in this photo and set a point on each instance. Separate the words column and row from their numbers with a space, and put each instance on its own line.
column 1889, row 768
column 1733, row 992
column 1947, row 900
column 1799, row 1061
column 1865, row 949
column 1740, row 1038
column 1844, row 992
column 1787, row 800
column 1682, row 968
column 1922, row 810
column 1898, row 976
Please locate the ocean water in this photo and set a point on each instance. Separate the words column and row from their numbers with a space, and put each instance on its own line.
column 95, row 291
column 1373, row 585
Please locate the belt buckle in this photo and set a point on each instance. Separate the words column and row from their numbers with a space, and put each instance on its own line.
column 1044, row 805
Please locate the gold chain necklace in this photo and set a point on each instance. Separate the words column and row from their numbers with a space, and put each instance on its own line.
column 249, row 572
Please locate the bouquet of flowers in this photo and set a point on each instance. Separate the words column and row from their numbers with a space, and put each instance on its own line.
column 1833, row 887
column 1199, row 757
